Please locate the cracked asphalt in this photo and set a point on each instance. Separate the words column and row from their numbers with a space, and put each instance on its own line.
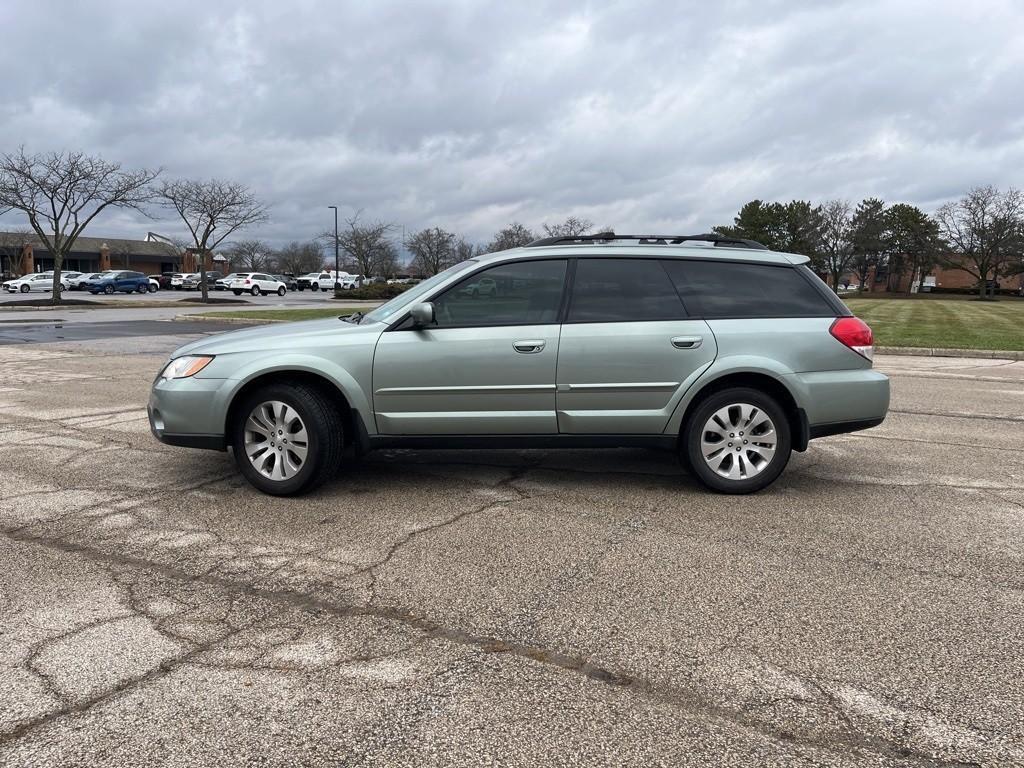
column 507, row 608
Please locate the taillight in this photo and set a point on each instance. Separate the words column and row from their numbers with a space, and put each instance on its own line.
column 247, row 281
column 856, row 334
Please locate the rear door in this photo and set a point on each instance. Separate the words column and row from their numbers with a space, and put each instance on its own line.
column 628, row 350
column 487, row 365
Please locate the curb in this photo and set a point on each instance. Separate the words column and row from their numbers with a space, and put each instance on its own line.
column 987, row 354
column 102, row 305
column 229, row 320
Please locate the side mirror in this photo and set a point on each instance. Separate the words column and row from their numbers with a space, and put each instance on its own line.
column 422, row 314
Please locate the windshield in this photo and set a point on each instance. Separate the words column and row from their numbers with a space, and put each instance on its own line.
column 405, row 298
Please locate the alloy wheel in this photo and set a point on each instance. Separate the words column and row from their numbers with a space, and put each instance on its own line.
column 738, row 441
column 276, row 441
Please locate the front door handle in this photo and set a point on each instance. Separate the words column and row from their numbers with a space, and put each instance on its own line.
column 687, row 342
column 529, row 347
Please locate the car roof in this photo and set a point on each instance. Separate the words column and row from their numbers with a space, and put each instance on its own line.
column 652, row 251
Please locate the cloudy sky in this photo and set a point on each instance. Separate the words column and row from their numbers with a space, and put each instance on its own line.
column 645, row 115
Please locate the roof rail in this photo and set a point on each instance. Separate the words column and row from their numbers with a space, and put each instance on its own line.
column 601, row 237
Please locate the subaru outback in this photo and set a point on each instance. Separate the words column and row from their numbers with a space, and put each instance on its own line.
column 716, row 348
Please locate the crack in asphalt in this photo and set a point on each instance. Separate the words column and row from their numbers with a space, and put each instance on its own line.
column 691, row 701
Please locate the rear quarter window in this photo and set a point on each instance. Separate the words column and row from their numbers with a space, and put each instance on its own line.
column 725, row 289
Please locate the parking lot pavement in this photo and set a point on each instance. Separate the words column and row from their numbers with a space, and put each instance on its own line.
column 292, row 299
column 522, row 607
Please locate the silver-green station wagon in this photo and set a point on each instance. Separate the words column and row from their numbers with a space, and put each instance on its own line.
column 729, row 354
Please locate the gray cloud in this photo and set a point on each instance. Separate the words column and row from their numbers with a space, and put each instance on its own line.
column 644, row 115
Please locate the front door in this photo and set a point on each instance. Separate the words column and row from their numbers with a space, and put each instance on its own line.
column 628, row 352
column 486, row 366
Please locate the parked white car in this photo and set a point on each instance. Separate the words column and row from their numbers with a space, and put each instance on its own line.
column 86, row 279
column 42, row 281
column 315, row 281
column 350, row 282
column 225, row 282
column 154, row 285
column 257, row 283
column 179, row 277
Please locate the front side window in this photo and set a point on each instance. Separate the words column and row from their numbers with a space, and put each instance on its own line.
column 623, row 290
column 727, row 289
column 520, row 293
column 388, row 309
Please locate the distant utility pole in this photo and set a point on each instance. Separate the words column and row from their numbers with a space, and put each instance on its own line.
column 337, row 283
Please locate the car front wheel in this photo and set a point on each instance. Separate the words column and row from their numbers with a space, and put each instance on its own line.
column 153, row 288
column 255, row 290
column 281, row 291
column 737, row 440
column 287, row 439
column 25, row 289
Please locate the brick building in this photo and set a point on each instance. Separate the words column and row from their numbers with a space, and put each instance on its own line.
column 23, row 254
column 939, row 278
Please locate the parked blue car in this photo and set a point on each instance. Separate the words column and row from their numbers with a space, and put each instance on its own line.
column 121, row 281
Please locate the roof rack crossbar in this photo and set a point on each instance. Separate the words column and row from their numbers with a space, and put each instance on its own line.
column 600, row 237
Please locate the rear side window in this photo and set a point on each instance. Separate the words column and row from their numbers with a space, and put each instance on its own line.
column 620, row 290
column 733, row 289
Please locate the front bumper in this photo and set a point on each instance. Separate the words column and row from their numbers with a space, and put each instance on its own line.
column 187, row 412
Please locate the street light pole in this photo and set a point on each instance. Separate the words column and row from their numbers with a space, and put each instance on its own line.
column 336, row 262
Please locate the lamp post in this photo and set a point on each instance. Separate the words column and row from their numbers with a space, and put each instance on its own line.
column 336, row 263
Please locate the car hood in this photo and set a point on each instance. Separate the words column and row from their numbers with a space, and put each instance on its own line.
column 279, row 336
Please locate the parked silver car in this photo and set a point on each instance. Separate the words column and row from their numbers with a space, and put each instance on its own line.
column 716, row 348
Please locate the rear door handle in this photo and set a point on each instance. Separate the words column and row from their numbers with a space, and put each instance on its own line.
column 529, row 347
column 687, row 342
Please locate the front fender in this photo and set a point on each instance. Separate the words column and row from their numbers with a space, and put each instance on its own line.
column 344, row 380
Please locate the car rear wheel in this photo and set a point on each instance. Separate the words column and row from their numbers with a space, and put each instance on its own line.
column 287, row 439
column 281, row 291
column 737, row 440
column 255, row 290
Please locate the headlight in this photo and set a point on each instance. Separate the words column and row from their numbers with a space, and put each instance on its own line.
column 183, row 367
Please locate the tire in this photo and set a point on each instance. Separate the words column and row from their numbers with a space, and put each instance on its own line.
column 255, row 290
column 153, row 288
column 25, row 289
column 730, row 407
column 324, row 439
column 281, row 291
column 109, row 290
column 140, row 288
column 237, row 293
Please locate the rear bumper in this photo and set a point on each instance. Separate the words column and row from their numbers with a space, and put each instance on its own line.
column 831, row 398
column 842, row 427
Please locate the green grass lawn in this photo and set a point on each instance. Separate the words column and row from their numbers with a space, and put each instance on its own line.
column 949, row 323
column 287, row 314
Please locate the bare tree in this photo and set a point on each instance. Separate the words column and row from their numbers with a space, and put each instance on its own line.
column 515, row 235
column 213, row 211
column 252, row 255
column 433, row 250
column 387, row 262
column 300, row 258
column 984, row 229
column 462, row 250
column 571, row 227
column 362, row 244
column 836, row 243
column 12, row 249
column 62, row 192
